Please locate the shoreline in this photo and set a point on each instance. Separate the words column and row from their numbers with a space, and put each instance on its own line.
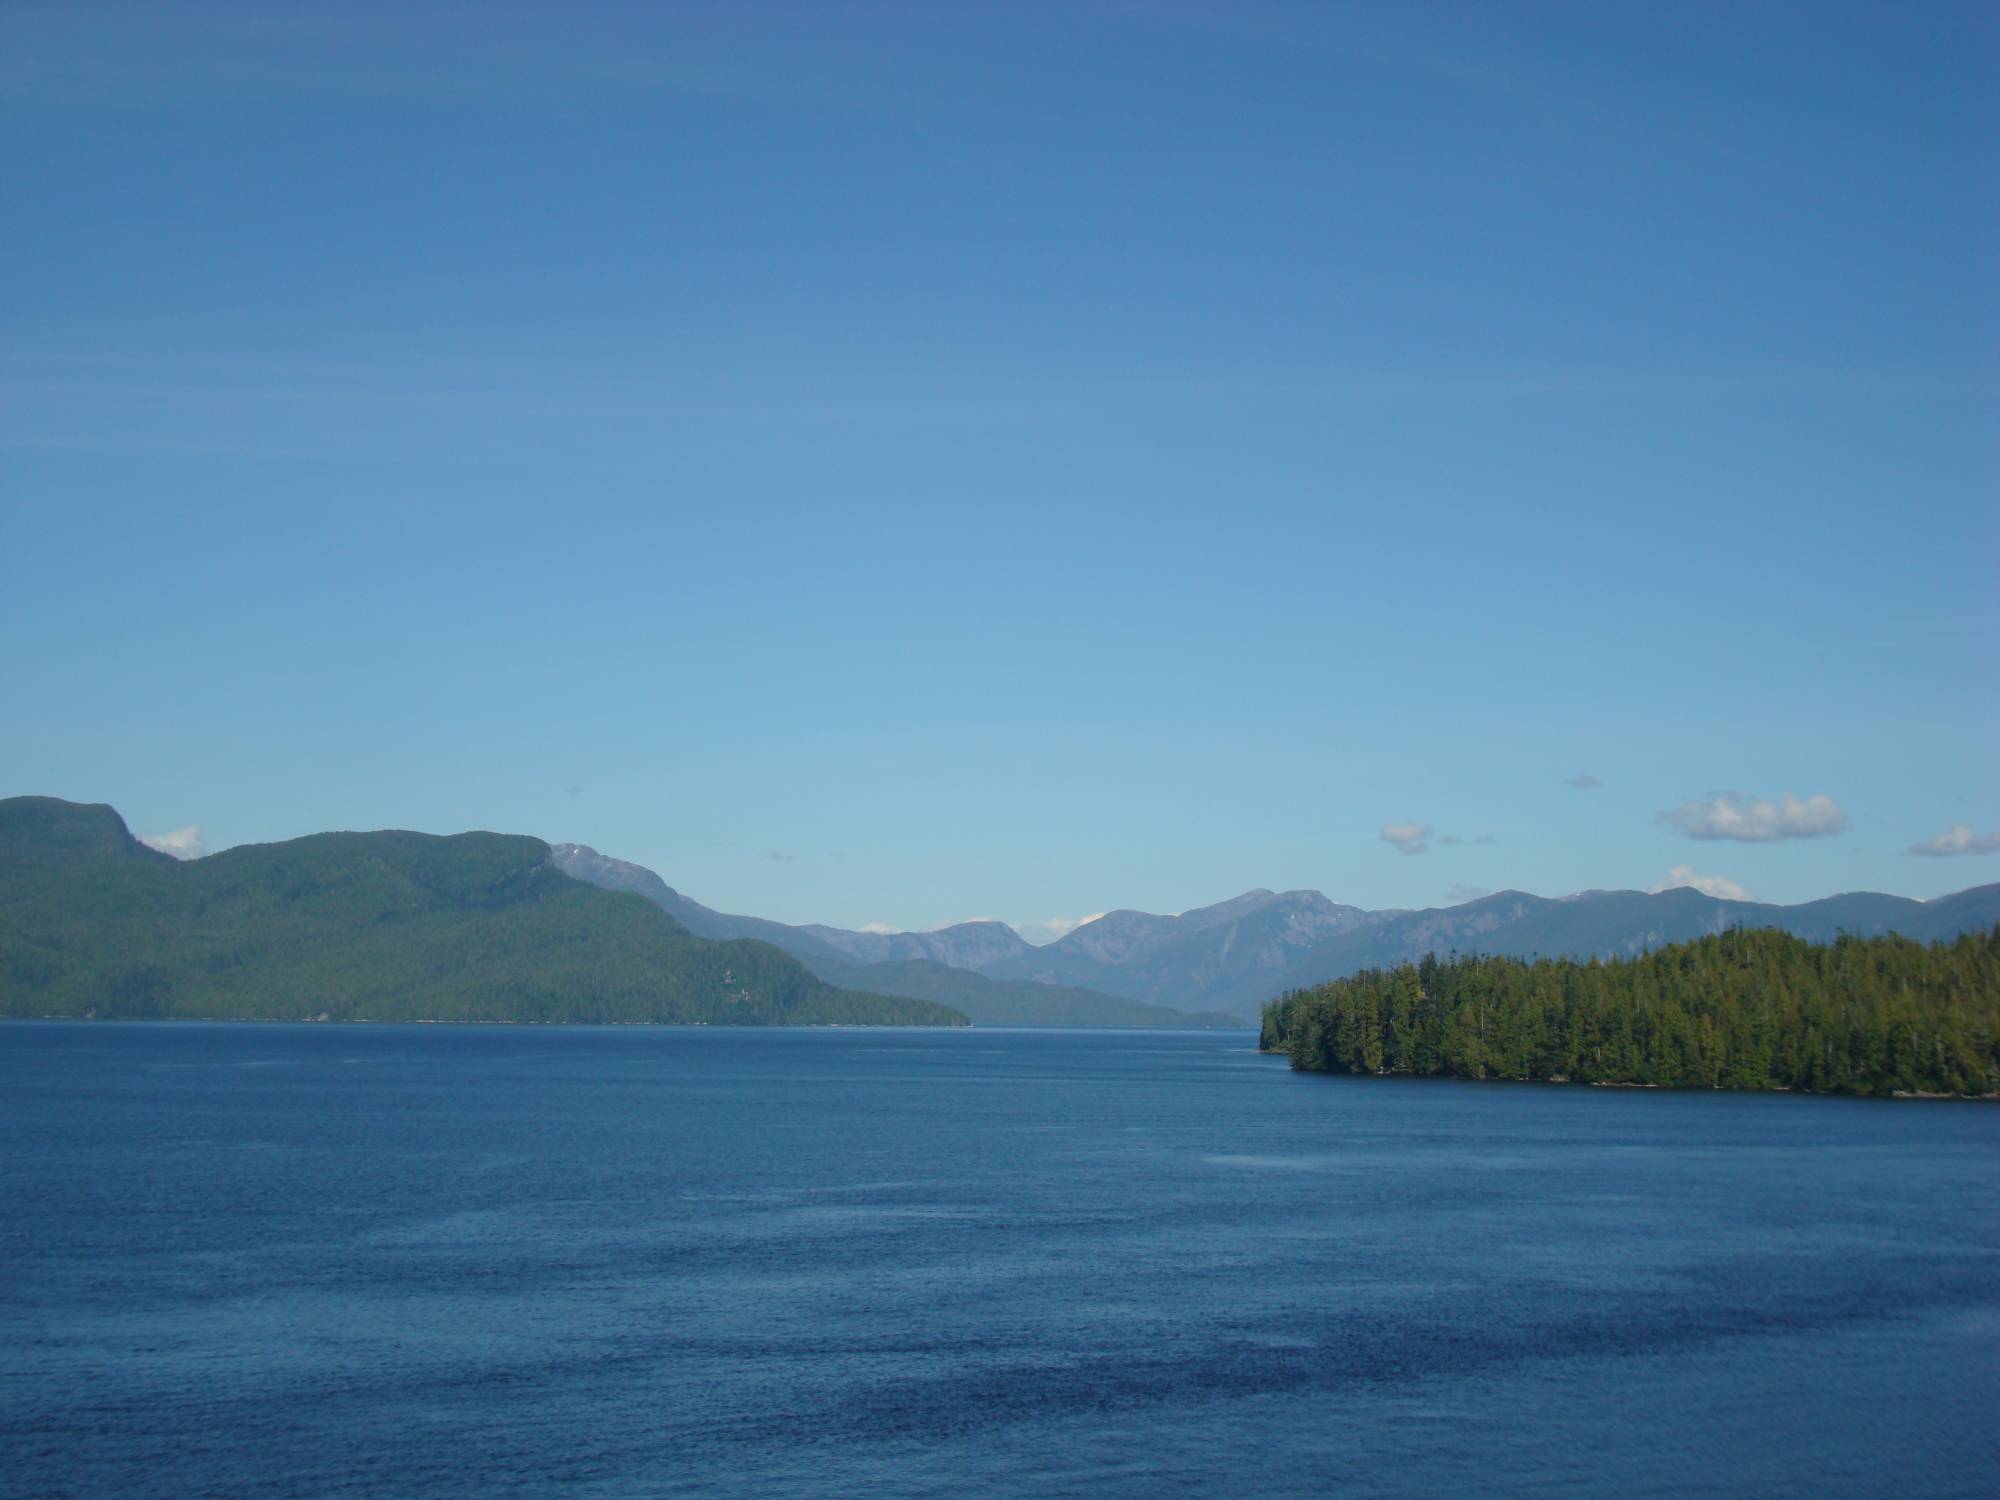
column 1562, row 1081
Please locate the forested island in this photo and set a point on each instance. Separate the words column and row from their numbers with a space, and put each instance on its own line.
column 1744, row 1009
column 394, row 926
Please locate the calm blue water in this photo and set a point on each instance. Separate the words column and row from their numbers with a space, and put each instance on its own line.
column 320, row 1261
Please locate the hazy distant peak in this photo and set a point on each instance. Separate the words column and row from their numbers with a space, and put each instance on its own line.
column 1228, row 911
column 962, row 945
column 581, row 862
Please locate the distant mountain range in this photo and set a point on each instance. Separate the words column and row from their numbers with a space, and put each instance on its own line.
column 1232, row 957
column 1223, row 957
column 943, row 966
column 968, row 945
column 485, row 926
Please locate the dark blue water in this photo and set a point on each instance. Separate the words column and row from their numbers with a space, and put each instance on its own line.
column 364, row 1261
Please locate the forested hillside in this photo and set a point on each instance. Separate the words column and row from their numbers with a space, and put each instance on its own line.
column 1746, row 1009
column 367, row 926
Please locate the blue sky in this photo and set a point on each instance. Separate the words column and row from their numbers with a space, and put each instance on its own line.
column 899, row 464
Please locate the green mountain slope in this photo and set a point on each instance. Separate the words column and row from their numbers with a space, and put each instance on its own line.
column 367, row 926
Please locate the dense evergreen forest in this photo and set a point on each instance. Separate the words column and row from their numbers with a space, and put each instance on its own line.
column 367, row 926
column 1746, row 1009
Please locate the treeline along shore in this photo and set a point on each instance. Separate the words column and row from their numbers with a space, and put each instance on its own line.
column 1744, row 1009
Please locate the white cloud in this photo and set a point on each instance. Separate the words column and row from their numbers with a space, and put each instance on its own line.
column 1719, row 886
column 1409, row 838
column 1757, row 820
column 880, row 929
column 1958, row 839
column 1040, row 933
column 182, row 843
column 1583, row 781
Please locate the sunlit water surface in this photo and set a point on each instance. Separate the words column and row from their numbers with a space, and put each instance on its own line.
column 432, row 1261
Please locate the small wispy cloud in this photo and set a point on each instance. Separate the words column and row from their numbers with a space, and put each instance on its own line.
column 879, row 929
column 1758, row 820
column 1583, row 781
column 1719, row 886
column 1417, row 838
column 1407, row 838
column 779, row 856
column 182, row 843
column 1958, row 839
column 574, row 790
column 1458, row 893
